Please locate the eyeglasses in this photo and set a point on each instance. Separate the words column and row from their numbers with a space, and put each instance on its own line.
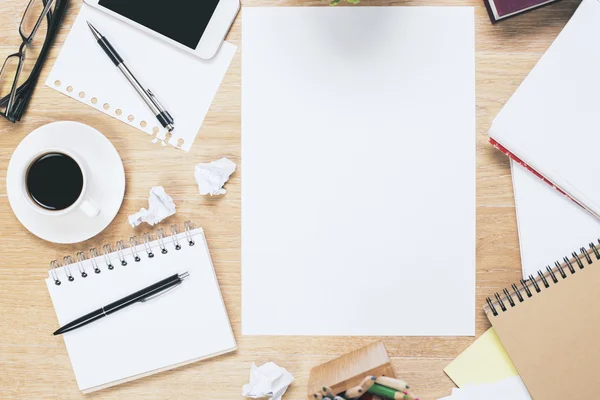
column 21, row 70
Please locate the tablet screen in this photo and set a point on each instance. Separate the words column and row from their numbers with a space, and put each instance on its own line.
column 183, row 21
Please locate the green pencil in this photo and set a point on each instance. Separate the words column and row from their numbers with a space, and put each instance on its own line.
column 389, row 393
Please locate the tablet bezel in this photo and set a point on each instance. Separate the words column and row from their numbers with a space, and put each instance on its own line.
column 213, row 36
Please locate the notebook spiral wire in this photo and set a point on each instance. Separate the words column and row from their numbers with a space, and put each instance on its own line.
column 105, row 258
column 501, row 302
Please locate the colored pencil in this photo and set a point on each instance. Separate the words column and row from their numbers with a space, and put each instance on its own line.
column 393, row 383
column 354, row 393
column 357, row 391
column 390, row 393
column 368, row 382
column 327, row 392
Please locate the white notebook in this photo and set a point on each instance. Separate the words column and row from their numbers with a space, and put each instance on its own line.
column 184, row 325
column 550, row 224
column 551, row 123
column 358, row 156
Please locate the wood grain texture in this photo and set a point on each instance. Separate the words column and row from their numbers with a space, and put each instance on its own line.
column 35, row 365
column 349, row 370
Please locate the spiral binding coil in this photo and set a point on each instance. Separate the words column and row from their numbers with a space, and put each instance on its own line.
column 102, row 259
column 544, row 279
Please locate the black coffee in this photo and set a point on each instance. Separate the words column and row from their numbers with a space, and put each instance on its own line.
column 54, row 181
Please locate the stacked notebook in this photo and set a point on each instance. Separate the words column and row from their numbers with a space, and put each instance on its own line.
column 550, row 225
column 550, row 328
column 548, row 129
column 549, row 125
column 548, row 323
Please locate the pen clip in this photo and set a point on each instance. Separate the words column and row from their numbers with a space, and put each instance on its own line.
column 154, row 296
column 155, row 100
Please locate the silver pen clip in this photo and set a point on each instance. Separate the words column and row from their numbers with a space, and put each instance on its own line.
column 154, row 296
column 163, row 116
column 155, row 100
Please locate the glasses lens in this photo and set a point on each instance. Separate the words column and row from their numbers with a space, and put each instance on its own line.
column 9, row 71
column 35, row 29
column 8, row 74
column 34, row 19
column 32, row 52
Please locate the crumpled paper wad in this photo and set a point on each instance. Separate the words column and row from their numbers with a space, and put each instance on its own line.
column 160, row 206
column 212, row 176
column 267, row 381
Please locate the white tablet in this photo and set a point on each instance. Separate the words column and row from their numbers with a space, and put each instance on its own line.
column 196, row 26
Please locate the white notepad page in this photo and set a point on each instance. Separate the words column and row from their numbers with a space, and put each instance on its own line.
column 511, row 388
column 551, row 226
column 552, row 120
column 183, row 83
column 358, row 162
column 187, row 324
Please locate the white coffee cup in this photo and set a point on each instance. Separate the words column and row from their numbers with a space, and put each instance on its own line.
column 83, row 202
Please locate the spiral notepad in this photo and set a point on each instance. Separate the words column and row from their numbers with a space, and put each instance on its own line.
column 187, row 324
column 550, row 327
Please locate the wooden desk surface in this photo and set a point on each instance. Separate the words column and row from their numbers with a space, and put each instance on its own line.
column 35, row 365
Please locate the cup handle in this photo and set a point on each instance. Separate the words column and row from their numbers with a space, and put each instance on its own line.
column 89, row 208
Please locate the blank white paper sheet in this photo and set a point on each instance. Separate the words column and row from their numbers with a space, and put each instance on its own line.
column 358, row 163
column 511, row 388
column 551, row 226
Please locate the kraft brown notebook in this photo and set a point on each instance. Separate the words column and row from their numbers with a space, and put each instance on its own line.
column 550, row 327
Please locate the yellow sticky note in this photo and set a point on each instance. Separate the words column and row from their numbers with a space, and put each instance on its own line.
column 485, row 361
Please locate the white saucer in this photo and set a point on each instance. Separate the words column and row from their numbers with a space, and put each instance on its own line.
column 106, row 183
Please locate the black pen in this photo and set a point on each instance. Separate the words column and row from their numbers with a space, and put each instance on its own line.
column 139, row 296
column 159, row 111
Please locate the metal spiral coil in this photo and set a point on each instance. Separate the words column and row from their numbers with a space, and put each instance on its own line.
column 120, row 247
column 104, row 259
column 133, row 243
column 95, row 254
column 174, row 233
column 107, row 249
column 54, row 264
column 160, row 235
column 81, row 257
column 544, row 279
column 67, row 262
column 147, row 238
column 187, row 228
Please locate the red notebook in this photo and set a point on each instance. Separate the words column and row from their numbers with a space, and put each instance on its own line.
column 501, row 9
